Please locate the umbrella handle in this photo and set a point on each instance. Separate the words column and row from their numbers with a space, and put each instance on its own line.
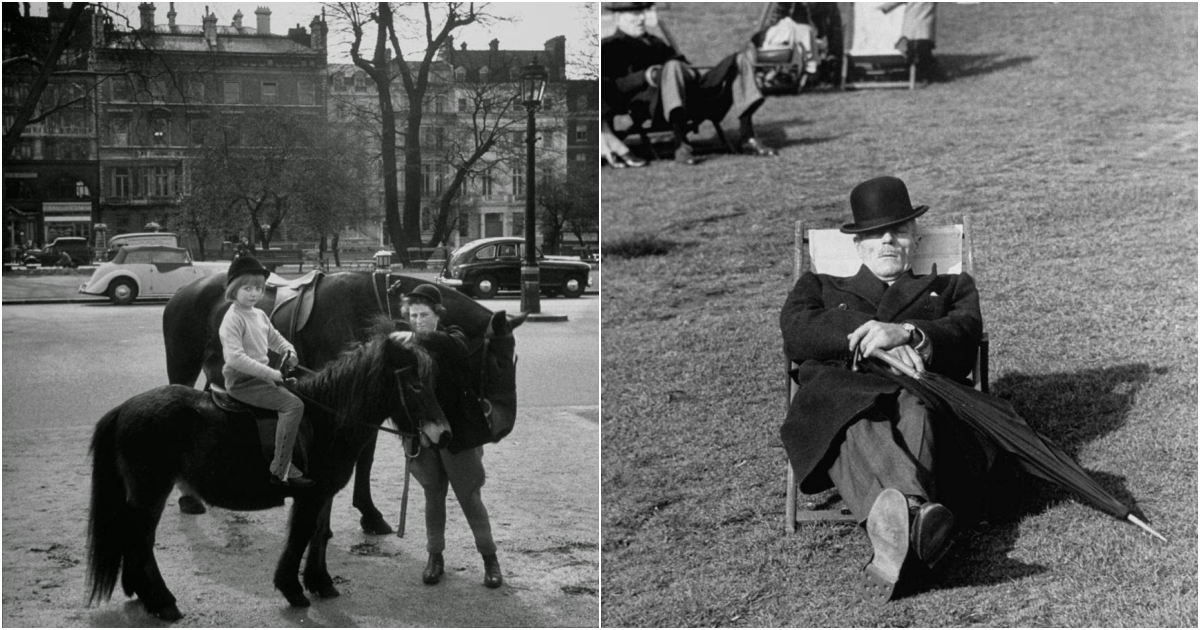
column 895, row 363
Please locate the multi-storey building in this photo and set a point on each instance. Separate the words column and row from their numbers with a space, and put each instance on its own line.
column 50, row 182
column 179, row 83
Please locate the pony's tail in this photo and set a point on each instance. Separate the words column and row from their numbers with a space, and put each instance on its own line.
column 105, row 549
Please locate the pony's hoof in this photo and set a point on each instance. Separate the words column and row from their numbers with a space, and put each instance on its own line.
column 375, row 525
column 170, row 612
column 328, row 591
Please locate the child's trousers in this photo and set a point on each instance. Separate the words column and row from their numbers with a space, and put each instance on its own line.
column 260, row 393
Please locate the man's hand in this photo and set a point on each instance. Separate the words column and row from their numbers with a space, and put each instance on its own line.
column 652, row 75
column 910, row 357
column 876, row 335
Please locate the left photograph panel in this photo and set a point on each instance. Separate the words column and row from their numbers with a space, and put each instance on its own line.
column 269, row 271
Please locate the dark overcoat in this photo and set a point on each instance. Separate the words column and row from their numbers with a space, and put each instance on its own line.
column 624, row 88
column 468, row 425
column 819, row 314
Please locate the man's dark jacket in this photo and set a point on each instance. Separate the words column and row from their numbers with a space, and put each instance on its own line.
column 819, row 314
column 624, row 88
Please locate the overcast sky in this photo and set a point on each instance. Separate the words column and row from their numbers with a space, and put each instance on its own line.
column 532, row 23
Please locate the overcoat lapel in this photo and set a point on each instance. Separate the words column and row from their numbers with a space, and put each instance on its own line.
column 903, row 292
column 864, row 284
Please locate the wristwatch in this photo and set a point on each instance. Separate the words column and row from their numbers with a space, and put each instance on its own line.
column 915, row 336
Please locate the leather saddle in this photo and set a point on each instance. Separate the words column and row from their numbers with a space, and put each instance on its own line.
column 294, row 301
column 266, row 421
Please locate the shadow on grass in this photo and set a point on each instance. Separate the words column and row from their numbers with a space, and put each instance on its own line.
column 1072, row 409
column 961, row 66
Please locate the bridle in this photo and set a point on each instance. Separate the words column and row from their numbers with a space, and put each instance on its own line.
column 400, row 385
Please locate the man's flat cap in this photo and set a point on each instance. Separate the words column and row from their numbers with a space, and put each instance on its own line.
column 617, row 7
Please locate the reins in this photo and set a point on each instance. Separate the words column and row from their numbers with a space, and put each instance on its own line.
column 331, row 411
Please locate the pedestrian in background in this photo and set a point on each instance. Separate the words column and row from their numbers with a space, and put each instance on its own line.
column 917, row 37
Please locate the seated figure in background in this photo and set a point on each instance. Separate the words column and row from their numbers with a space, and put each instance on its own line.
column 646, row 77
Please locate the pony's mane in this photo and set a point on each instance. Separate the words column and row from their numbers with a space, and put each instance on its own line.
column 359, row 379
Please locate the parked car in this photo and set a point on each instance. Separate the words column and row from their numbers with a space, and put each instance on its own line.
column 76, row 249
column 168, row 239
column 147, row 271
column 484, row 267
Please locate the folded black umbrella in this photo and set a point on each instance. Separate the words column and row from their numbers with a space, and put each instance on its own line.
column 996, row 420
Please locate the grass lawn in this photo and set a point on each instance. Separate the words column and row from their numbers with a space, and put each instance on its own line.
column 1068, row 132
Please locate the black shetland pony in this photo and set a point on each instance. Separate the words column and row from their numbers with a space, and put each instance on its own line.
column 176, row 433
column 345, row 307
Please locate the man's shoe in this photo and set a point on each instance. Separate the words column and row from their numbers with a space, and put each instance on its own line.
column 189, row 504
column 293, row 482
column 751, row 146
column 492, row 578
column 435, row 567
column 684, row 155
column 888, row 529
column 932, row 524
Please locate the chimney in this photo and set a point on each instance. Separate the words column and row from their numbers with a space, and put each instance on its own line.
column 237, row 19
column 210, row 28
column 264, row 20
column 171, row 17
column 494, row 45
column 147, row 11
column 299, row 35
column 318, row 33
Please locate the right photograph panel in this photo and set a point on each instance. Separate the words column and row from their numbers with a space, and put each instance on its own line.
column 899, row 319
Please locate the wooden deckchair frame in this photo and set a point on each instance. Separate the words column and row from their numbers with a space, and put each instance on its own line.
column 881, row 61
column 831, row 252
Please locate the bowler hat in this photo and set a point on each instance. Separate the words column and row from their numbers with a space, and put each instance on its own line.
column 243, row 265
column 879, row 203
column 617, row 7
column 427, row 292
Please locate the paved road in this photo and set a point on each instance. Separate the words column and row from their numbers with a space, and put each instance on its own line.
column 66, row 364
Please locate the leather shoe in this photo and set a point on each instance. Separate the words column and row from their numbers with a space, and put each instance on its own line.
column 751, row 146
column 932, row 524
column 888, row 529
column 189, row 504
column 684, row 155
column 434, row 568
column 632, row 161
column 492, row 578
column 293, row 482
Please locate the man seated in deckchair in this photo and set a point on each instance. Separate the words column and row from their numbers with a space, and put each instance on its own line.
column 899, row 468
column 643, row 75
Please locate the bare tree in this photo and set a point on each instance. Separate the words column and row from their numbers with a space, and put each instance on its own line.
column 435, row 22
column 568, row 204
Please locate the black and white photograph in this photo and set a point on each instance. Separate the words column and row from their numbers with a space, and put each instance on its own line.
column 899, row 321
column 301, row 315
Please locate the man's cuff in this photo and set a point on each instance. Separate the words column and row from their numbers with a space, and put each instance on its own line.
column 923, row 346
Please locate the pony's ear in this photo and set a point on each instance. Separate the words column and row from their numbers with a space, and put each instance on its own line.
column 515, row 320
column 402, row 325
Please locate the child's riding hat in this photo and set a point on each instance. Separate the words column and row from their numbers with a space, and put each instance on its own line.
column 243, row 265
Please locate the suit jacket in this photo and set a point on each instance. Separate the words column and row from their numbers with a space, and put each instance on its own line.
column 623, row 63
column 818, row 315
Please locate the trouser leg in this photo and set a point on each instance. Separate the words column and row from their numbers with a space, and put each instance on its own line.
column 426, row 467
column 466, row 474
column 746, row 95
column 879, row 452
column 672, row 93
column 291, row 411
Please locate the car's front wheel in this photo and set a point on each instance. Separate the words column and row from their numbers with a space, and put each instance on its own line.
column 122, row 292
column 573, row 286
column 486, row 287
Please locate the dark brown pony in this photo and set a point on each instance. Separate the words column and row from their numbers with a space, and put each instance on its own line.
column 344, row 309
column 173, row 433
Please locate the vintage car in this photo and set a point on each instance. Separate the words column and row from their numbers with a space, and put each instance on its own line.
column 75, row 248
column 484, row 267
column 147, row 271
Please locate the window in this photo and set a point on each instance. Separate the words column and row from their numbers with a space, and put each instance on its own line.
column 439, row 104
column 81, row 190
column 439, row 138
column 159, row 182
column 119, row 129
column 462, row 104
column 339, row 83
column 360, row 83
column 427, row 173
column 269, row 92
column 486, row 253
column 485, row 183
column 120, row 89
column 195, row 88
column 518, row 184
column 305, row 93
column 507, row 250
column 122, row 182
column 581, row 133
column 233, row 92
column 460, row 74
column 196, row 131
column 483, row 74
column 18, row 188
column 158, row 131
column 581, row 157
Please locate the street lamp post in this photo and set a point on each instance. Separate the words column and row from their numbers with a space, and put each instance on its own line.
column 533, row 87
